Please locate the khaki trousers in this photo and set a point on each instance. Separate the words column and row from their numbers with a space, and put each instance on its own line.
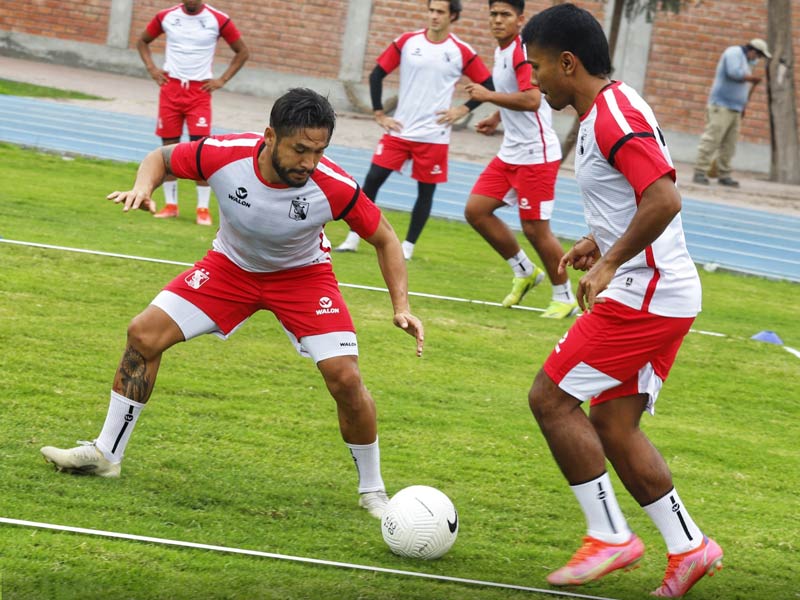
column 718, row 139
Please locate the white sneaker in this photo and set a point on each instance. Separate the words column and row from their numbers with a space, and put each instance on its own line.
column 408, row 250
column 374, row 502
column 350, row 244
column 85, row 459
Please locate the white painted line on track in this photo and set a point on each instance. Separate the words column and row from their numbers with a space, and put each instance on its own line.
column 348, row 285
column 288, row 557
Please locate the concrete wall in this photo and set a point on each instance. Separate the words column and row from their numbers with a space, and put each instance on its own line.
column 331, row 45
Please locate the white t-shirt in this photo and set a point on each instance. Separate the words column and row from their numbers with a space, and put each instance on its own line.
column 528, row 136
column 621, row 151
column 192, row 39
column 429, row 72
column 266, row 227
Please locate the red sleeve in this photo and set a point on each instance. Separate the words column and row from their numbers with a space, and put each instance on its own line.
column 228, row 30
column 389, row 59
column 522, row 68
column 184, row 160
column 154, row 28
column 346, row 199
column 638, row 153
column 364, row 217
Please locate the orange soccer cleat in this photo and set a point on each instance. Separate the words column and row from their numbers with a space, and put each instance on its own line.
column 686, row 569
column 203, row 217
column 170, row 211
column 595, row 559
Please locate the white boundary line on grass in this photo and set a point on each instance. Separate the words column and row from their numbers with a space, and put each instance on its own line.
column 349, row 285
column 299, row 559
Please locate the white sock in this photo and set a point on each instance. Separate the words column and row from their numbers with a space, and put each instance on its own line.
column 368, row 464
column 120, row 420
column 408, row 249
column 563, row 293
column 604, row 518
column 673, row 521
column 203, row 196
column 521, row 264
column 171, row 192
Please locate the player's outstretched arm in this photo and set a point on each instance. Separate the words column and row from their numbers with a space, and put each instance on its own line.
column 149, row 176
column 393, row 269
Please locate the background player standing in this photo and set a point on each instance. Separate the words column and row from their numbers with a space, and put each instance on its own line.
column 642, row 293
column 277, row 192
column 431, row 62
column 524, row 171
column 192, row 29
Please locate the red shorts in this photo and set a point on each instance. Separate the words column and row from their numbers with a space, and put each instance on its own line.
column 306, row 301
column 179, row 102
column 429, row 161
column 531, row 187
column 614, row 351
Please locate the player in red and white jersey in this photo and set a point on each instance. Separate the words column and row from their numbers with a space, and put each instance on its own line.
column 431, row 62
column 642, row 292
column 276, row 192
column 523, row 173
column 186, row 81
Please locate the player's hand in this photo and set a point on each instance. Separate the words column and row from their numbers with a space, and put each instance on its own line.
column 451, row 115
column 159, row 76
column 388, row 123
column 582, row 256
column 590, row 285
column 477, row 92
column 133, row 199
column 212, row 85
column 487, row 126
column 413, row 326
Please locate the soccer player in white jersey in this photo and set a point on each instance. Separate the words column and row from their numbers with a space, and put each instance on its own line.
column 276, row 193
column 192, row 29
column 523, row 173
column 431, row 62
column 642, row 293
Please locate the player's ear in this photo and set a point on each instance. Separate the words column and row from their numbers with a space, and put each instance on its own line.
column 270, row 137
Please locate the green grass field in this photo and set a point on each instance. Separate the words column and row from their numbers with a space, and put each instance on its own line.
column 18, row 88
column 239, row 445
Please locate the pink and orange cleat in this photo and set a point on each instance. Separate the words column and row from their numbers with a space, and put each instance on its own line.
column 686, row 569
column 595, row 559
column 203, row 216
column 170, row 211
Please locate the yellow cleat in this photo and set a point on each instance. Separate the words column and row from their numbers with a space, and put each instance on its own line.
column 560, row 310
column 521, row 286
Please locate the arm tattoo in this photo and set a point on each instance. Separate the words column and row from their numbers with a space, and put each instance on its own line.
column 166, row 153
column 136, row 384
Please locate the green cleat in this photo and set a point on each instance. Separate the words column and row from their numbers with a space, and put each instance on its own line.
column 560, row 310
column 521, row 286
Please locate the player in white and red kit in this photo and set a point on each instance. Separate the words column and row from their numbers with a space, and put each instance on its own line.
column 523, row 173
column 431, row 62
column 642, row 292
column 276, row 193
column 186, row 81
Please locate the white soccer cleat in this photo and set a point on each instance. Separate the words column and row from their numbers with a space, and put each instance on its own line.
column 350, row 244
column 374, row 502
column 85, row 459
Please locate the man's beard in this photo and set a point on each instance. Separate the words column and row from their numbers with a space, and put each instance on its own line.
column 284, row 173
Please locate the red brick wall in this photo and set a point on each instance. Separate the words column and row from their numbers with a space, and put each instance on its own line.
column 84, row 21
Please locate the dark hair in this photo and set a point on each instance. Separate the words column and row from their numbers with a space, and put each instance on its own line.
column 301, row 108
column 519, row 5
column 567, row 27
column 455, row 9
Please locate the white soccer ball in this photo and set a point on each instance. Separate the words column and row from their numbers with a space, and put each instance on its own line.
column 420, row 522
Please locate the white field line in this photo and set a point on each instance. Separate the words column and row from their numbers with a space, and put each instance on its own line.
column 288, row 557
column 349, row 285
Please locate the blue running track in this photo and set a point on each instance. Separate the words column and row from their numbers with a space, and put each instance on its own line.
column 737, row 239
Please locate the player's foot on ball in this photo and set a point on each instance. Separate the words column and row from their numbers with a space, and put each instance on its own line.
column 85, row 459
column 684, row 570
column 521, row 286
column 560, row 310
column 170, row 211
column 374, row 502
column 595, row 559
column 203, row 217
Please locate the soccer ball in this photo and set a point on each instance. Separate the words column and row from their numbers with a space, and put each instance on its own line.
column 420, row 522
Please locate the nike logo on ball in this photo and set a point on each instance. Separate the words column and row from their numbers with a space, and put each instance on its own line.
column 454, row 525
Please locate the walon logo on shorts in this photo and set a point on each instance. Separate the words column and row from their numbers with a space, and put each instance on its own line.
column 201, row 122
column 196, row 278
column 326, row 307
column 436, row 170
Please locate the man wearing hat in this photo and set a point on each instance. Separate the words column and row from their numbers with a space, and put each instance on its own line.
column 729, row 95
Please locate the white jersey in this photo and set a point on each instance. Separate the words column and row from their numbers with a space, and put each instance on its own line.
column 428, row 75
column 192, row 39
column 528, row 136
column 619, row 153
column 267, row 227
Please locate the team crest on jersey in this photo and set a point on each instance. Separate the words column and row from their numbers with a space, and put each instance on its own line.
column 582, row 142
column 299, row 209
column 326, row 307
column 417, row 51
column 446, row 57
column 196, row 278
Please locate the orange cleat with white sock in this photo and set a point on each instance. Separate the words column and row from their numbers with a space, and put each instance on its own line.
column 596, row 558
column 686, row 569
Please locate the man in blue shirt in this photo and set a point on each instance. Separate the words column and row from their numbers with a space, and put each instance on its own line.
column 729, row 95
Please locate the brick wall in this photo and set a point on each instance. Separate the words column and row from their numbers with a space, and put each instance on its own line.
column 306, row 37
column 84, row 20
